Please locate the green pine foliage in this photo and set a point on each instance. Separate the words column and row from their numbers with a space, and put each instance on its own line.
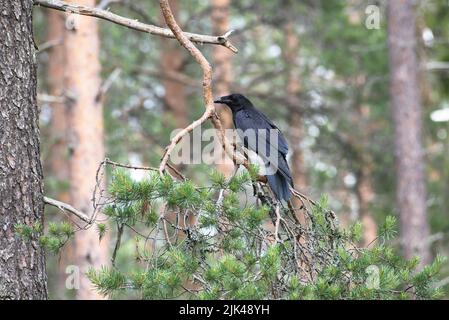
column 57, row 235
column 231, row 252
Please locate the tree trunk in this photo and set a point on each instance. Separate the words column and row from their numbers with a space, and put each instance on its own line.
column 173, row 62
column 223, row 71
column 22, row 262
column 364, row 168
column 85, row 138
column 58, row 126
column 58, row 167
column 291, row 53
column 296, row 132
column 406, row 108
column 365, row 195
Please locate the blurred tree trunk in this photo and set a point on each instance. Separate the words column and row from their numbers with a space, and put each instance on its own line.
column 364, row 186
column 291, row 53
column 406, row 108
column 22, row 261
column 365, row 195
column 175, row 99
column 296, row 132
column 173, row 62
column 58, row 160
column 223, row 70
column 85, row 138
column 58, row 126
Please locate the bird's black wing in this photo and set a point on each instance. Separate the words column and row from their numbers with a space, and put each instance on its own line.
column 283, row 145
column 255, row 120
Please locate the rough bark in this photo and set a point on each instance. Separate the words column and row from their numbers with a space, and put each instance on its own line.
column 85, row 138
column 22, row 262
column 406, row 109
column 223, row 70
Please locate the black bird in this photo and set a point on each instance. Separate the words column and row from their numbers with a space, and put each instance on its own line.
column 246, row 117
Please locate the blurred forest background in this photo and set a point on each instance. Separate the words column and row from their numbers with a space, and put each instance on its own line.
column 319, row 69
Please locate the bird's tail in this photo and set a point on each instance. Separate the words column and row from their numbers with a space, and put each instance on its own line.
column 281, row 181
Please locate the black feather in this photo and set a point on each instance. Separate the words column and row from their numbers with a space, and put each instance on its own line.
column 245, row 117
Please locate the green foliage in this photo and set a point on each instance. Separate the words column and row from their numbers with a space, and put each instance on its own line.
column 28, row 232
column 107, row 280
column 101, row 229
column 253, row 171
column 355, row 96
column 387, row 230
column 230, row 254
column 57, row 236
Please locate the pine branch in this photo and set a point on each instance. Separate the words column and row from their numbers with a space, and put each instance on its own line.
column 67, row 208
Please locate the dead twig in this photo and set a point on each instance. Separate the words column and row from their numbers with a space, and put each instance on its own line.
column 68, row 208
column 128, row 166
column 276, row 226
column 210, row 112
column 222, row 40
column 106, row 85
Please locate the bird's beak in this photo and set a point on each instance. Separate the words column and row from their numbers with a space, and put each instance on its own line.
column 221, row 100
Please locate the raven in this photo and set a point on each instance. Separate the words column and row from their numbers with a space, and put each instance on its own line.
column 247, row 118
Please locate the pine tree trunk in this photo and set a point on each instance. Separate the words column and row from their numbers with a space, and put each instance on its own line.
column 406, row 108
column 291, row 52
column 222, row 58
column 58, row 167
column 296, row 130
column 58, row 126
column 364, row 168
column 22, row 262
column 85, row 138
column 365, row 195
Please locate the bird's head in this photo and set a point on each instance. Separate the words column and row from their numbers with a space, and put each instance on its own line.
column 235, row 101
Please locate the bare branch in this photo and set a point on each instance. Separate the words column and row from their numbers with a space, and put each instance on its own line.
column 437, row 66
column 47, row 98
column 210, row 112
column 49, row 44
column 128, row 166
column 67, row 208
column 108, row 83
column 134, row 24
